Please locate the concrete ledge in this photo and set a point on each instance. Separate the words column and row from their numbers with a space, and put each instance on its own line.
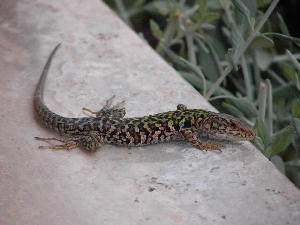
column 160, row 184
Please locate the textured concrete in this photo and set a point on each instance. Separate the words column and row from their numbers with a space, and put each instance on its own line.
column 161, row 184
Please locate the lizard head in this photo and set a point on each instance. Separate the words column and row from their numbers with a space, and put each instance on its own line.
column 225, row 127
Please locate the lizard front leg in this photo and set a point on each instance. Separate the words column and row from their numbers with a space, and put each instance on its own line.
column 181, row 107
column 191, row 136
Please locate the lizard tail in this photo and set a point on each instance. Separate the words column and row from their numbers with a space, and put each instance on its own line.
column 38, row 94
column 61, row 124
column 49, row 118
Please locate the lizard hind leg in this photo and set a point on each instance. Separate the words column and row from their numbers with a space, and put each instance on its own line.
column 91, row 141
column 113, row 112
column 104, row 108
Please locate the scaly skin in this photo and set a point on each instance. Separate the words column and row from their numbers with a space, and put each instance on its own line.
column 109, row 126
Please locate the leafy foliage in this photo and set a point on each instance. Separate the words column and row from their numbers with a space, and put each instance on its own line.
column 240, row 56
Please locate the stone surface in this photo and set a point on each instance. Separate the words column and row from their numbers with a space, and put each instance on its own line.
column 160, row 184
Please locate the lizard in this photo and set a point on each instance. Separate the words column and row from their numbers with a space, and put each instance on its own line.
column 110, row 126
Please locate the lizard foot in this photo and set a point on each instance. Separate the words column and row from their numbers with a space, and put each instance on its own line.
column 68, row 143
column 210, row 146
column 116, row 111
column 90, row 141
column 192, row 137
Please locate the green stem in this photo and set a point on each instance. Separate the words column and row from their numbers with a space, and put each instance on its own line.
column 167, row 36
column 191, row 47
column 254, row 33
column 270, row 108
column 225, row 72
column 247, row 80
column 123, row 12
column 262, row 100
